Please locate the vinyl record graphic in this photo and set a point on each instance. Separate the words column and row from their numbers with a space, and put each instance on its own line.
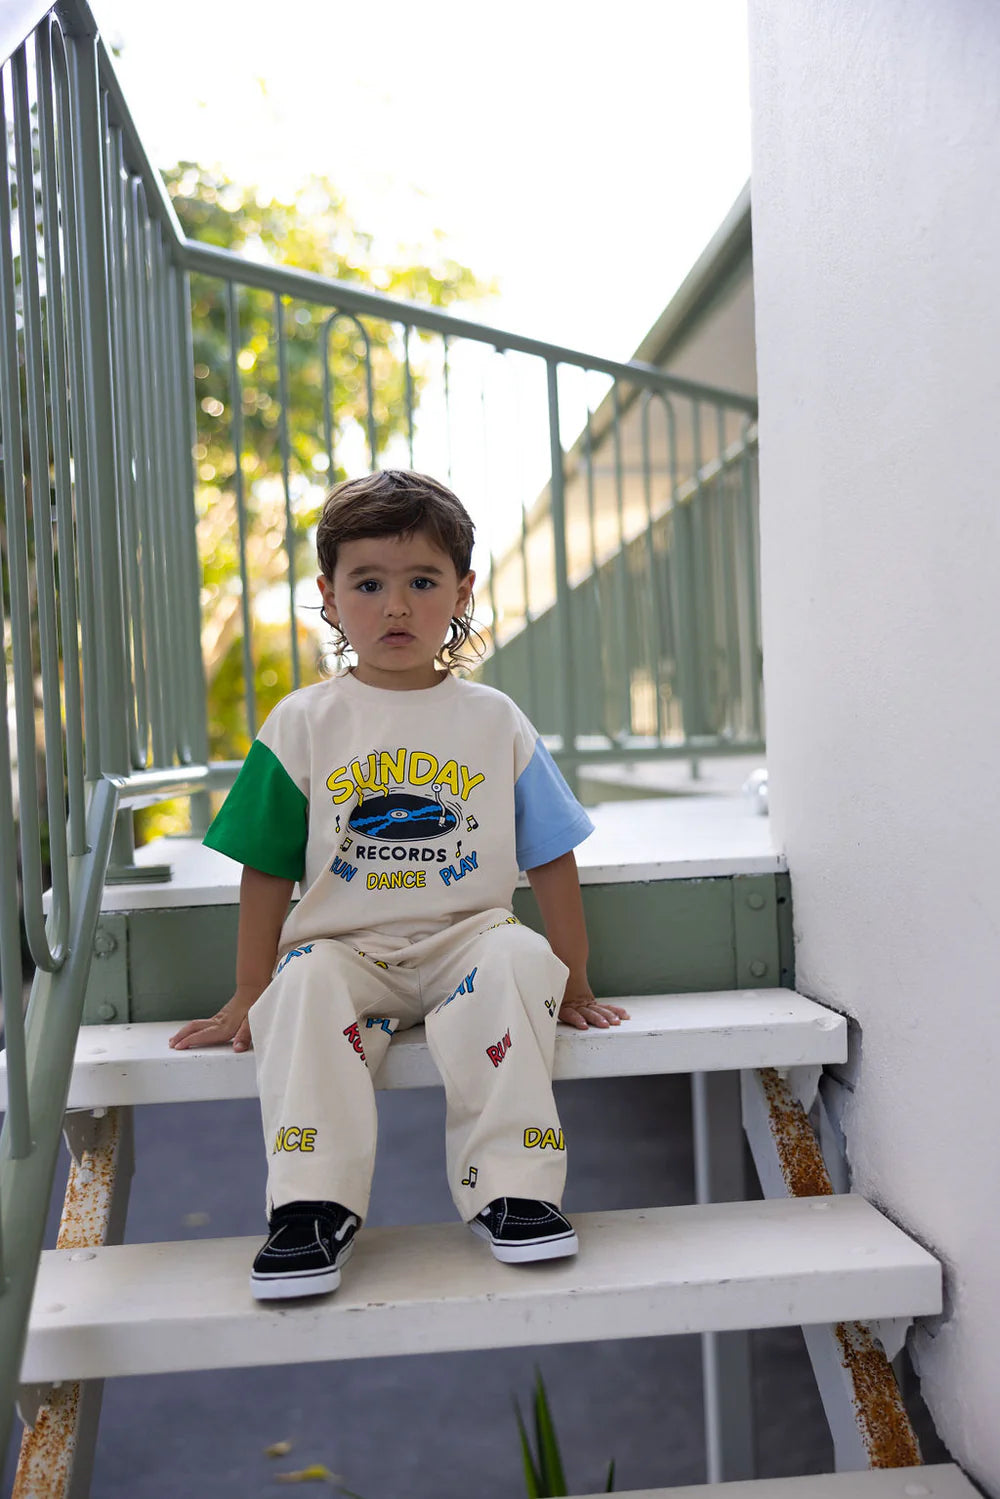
column 402, row 815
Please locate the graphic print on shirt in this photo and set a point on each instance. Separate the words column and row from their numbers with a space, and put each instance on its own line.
column 395, row 826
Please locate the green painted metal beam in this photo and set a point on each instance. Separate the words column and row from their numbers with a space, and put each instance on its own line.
column 660, row 936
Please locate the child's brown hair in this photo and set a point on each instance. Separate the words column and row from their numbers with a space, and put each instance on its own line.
column 396, row 502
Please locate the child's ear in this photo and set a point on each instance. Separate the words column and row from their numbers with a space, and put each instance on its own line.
column 329, row 605
column 464, row 593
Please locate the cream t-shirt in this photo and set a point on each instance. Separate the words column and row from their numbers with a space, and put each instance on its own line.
column 398, row 813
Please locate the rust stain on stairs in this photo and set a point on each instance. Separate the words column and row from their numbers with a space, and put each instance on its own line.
column 884, row 1425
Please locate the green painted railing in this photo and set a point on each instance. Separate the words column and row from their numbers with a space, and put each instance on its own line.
column 623, row 611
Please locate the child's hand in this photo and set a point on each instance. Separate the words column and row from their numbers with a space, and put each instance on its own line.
column 583, row 1010
column 230, row 1024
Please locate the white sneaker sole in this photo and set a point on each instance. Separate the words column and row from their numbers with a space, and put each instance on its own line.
column 284, row 1287
column 524, row 1254
column 298, row 1282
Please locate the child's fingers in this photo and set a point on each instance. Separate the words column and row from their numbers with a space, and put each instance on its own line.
column 202, row 1033
column 179, row 1038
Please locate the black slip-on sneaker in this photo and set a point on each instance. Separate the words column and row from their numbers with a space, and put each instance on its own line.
column 519, row 1230
column 306, row 1246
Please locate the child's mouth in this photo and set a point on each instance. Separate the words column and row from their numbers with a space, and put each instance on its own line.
column 396, row 637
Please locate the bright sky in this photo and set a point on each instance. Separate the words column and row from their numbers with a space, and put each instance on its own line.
column 583, row 155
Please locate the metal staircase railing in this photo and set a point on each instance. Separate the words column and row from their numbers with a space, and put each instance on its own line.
column 103, row 673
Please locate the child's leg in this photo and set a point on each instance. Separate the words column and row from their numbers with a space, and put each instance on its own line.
column 317, row 1050
column 492, row 1037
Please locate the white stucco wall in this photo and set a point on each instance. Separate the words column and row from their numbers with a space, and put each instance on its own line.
column 876, row 224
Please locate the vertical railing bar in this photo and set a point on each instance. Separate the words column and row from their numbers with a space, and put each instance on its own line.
column 681, row 565
column 445, row 341
column 697, row 575
column 147, row 478
column 730, row 592
column 11, row 971
column 526, row 590
column 55, row 331
column 50, row 936
column 596, row 612
column 236, row 437
column 657, row 642
column 185, row 582
column 99, row 410
column 200, row 805
column 82, row 486
column 409, row 391
column 180, row 510
column 665, row 571
column 622, row 672
column 329, row 429
column 753, row 610
column 286, row 483
column 118, row 249
column 369, row 386
column 144, row 418
column 17, row 573
column 370, row 394
column 566, row 694
column 159, row 492
column 167, row 487
column 495, row 627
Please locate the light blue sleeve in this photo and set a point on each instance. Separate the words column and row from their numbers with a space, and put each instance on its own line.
column 548, row 819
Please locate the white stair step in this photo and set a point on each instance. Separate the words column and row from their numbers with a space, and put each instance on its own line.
column 936, row 1481
column 132, row 1064
column 158, row 1308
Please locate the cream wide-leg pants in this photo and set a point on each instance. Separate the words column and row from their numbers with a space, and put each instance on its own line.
column 488, row 991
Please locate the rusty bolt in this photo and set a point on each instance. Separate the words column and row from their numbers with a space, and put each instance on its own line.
column 107, row 1011
column 104, row 943
column 758, row 968
column 756, row 902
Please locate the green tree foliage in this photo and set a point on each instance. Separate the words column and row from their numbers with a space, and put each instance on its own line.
column 313, row 231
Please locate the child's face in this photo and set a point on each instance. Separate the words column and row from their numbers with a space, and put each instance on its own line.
column 394, row 597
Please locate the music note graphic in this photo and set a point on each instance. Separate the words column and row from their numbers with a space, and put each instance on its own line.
column 458, row 850
column 337, row 828
column 470, row 1180
column 470, row 824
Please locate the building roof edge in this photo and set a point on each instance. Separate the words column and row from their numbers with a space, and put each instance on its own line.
column 727, row 247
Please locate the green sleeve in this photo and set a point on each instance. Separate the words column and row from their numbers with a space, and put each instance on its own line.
column 264, row 821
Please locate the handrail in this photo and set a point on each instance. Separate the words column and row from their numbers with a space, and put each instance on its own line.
column 209, row 260
column 96, row 395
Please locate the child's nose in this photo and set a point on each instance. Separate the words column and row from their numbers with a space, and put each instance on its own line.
column 396, row 603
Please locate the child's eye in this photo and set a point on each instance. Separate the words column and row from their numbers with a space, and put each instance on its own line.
column 423, row 584
column 370, row 585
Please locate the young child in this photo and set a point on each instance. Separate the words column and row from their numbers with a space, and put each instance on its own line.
column 403, row 800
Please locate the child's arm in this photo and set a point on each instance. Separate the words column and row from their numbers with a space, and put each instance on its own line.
column 557, row 890
column 263, row 906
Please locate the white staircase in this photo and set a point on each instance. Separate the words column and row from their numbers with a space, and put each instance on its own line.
column 826, row 1262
